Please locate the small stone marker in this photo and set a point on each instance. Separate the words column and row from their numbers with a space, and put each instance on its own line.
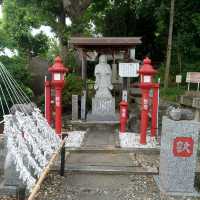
column 178, row 156
column 74, row 107
column 83, row 105
column 114, row 73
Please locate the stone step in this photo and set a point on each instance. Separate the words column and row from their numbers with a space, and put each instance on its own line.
column 118, row 170
column 112, row 149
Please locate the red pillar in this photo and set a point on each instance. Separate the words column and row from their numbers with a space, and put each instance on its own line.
column 58, row 110
column 123, row 116
column 154, row 110
column 48, row 101
column 144, row 116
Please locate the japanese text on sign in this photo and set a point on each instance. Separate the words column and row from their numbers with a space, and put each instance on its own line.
column 128, row 69
column 183, row 146
column 193, row 77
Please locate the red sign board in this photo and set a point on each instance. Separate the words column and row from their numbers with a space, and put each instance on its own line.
column 183, row 146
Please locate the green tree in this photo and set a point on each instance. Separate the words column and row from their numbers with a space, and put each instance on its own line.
column 17, row 24
column 54, row 13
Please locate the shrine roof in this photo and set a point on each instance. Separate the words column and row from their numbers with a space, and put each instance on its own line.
column 104, row 42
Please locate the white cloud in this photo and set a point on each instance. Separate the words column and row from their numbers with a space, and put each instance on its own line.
column 1, row 13
column 44, row 29
column 8, row 52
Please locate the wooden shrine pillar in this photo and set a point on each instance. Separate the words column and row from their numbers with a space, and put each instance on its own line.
column 84, row 78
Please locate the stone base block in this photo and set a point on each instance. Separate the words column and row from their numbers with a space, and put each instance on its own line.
column 102, row 118
column 103, row 106
column 103, row 109
column 193, row 193
column 6, row 190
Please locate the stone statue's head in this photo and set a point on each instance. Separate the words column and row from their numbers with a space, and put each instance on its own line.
column 103, row 59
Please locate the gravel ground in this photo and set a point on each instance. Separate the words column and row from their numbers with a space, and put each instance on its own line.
column 101, row 187
column 114, row 187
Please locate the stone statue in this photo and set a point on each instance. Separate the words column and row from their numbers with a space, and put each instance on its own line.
column 103, row 104
column 103, row 76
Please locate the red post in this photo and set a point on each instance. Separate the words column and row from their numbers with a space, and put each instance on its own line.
column 48, row 101
column 154, row 110
column 58, row 106
column 123, row 116
column 58, row 71
column 146, row 77
column 144, row 116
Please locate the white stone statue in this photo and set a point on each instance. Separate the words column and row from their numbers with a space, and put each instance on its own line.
column 103, row 75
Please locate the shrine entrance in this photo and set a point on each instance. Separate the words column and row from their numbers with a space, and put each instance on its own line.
column 109, row 88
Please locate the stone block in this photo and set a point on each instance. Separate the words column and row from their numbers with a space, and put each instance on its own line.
column 83, row 105
column 103, row 109
column 178, row 155
column 74, row 107
column 2, row 155
column 103, row 106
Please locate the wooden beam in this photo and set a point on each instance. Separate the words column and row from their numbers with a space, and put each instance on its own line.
column 45, row 172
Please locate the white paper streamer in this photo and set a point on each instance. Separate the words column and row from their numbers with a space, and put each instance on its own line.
column 30, row 143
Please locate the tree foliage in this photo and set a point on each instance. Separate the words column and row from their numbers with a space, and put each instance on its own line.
column 18, row 22
column 146, row 18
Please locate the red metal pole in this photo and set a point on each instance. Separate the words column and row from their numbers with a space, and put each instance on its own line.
column 144, row 116
column 48, row 101
column 154, row 110
column 122, row 126
column 58, row 110
column 123, row 116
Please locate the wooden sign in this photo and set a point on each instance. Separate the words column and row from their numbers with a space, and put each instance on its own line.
column 128, row 69
column 193, row 77
column 178, row 78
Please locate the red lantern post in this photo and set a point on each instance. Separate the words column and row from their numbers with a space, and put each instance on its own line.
column 48, row 101
column 154, row 110
column 58, row 71
column 146, row 75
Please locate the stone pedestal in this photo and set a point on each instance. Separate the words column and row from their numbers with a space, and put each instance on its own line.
column 178, row 156
column 103, row 109
column 10, row 174
column 10, row 180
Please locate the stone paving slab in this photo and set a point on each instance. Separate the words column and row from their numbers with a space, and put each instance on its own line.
column 100, row 137
column 114, row 159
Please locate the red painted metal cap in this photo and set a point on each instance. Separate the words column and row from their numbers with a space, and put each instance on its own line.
column 147, row 68
column 58, row 66
column 123, row 103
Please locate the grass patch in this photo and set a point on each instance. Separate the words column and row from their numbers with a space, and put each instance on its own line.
column 171, row 94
